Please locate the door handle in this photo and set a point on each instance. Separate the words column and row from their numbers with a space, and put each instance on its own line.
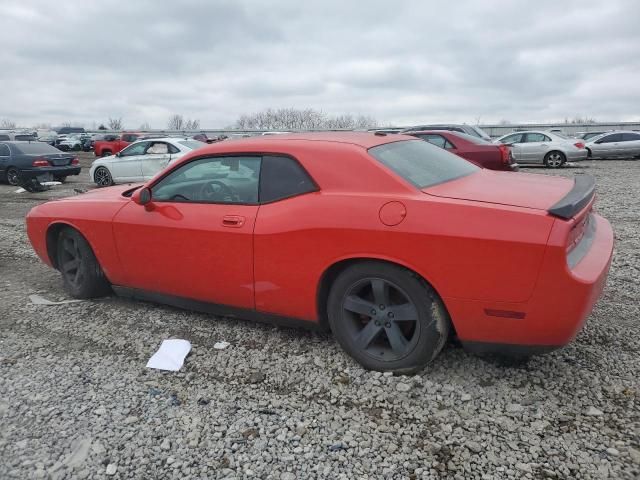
column 233, row 221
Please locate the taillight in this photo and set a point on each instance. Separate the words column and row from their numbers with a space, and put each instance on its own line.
column 579, row 145
column 75, row 161
column 40, row 162
column 504, row 154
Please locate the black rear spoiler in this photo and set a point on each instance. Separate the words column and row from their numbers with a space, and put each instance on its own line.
column 584, row 188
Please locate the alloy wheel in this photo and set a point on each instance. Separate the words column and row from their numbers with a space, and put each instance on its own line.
column 554, row 160
column 381, row 319
column 102, row 177
column 71, row 261
column 12, row 177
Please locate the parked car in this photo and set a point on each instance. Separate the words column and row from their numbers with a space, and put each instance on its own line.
column 617, row 144
column 550, row 149
column 24, row 161
column 17, row 137
column 386, row 239
column 468, row 129
column 477, row 150
column 141, row 160
column 67, row 130
column 588, row 135
column 47, row 136
column 112, row 145
column 71, row 142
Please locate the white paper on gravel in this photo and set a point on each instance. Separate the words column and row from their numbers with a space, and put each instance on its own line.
column 49, row 184
column 40, row 300
column 170, row 356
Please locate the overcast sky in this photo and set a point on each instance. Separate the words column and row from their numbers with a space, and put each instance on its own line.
column 402, row 63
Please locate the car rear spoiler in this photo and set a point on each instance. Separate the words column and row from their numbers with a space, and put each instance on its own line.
column 584, row 188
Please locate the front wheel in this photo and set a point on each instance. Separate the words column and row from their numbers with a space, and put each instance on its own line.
column 102, row 177
column 554, row 159
column 387, row 318
column 106, row 153
column 81, row 272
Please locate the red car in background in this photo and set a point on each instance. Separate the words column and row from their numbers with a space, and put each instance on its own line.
column 113, row 144
column 389, row 241
column 477, row 150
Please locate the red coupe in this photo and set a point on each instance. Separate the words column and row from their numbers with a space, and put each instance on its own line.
column 477, row 150
column 387, row 240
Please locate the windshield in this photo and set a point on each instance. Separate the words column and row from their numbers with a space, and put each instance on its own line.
column 36, row 147
column 192, row 144
column 421, row 163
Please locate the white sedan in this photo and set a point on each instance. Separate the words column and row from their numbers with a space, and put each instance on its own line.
column 141, row 160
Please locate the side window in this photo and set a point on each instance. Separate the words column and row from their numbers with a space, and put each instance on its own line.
column 536, row 137
column 283, row 177
column 212, row 180
column 630, row 137
column 129, row 137
column 437, row 140
column 136, row 149
column 616, row 137
column 173, row 148
column 4, row 151
column 157, row 148
column 515, row 138
column 4, row 137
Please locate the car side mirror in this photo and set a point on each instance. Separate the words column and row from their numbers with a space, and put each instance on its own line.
column 598, row 142
column 142, row 196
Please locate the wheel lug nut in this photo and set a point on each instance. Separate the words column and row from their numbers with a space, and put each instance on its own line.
column 390, row 314
column 382, row 307
column 373, row 312
column 377, row 322
column 388, row 325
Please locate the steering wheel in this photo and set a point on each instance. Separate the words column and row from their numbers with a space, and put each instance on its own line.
column 178, row 196
column 216, row 190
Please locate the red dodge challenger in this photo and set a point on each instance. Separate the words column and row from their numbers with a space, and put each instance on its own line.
column 387, row 240
column 477, row 150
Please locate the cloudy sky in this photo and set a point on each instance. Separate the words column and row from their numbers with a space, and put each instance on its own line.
column 424, row 61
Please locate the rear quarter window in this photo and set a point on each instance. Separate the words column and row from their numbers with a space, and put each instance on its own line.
column 421, row 163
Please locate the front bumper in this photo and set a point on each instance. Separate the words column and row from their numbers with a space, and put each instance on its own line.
column 46, row 174
column 557, row 310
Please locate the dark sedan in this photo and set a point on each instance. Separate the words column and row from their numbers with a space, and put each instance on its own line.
column 476, row 150
column 26, row 162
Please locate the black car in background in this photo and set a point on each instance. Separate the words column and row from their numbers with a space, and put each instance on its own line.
column 27, row 162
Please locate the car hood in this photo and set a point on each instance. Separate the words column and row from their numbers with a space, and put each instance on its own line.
column 526, row 190
column 103, row 194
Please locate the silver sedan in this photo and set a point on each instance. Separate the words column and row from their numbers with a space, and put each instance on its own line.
column 547, row 148
column 617, row 144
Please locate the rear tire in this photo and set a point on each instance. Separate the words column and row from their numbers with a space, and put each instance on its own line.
column 554, row 159
column 13, row 177
column 387, row 318
column 81, row 273
column 102, row 177
column 106, row 153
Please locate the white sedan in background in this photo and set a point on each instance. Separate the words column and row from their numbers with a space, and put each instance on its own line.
column 551, row 149
column 141, row 160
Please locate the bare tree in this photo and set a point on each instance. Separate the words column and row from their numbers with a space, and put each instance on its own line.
column 579, row 120
column 145, row 126
column 192, row 124
column 176, row 122
column 115, row 123
column 102, row 127
column 65, row 124
column 305, row 119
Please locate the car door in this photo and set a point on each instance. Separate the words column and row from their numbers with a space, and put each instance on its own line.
column 195, row 238
column 534, row 147
column 630, row 144
column 5, row 156
column 606, row 146
column 156, row 157
column 126, row 165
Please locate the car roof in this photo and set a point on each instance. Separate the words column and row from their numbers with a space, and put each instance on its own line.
column 361, row 139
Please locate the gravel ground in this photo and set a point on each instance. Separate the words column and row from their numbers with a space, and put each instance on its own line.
column 76, row 400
